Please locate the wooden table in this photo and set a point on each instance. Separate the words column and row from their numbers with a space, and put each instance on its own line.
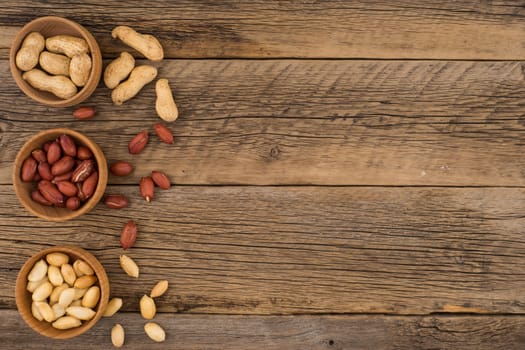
column 348, row 175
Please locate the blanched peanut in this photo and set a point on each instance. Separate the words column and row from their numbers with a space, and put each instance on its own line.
column 59, row 310
column 57, row 259
column 117, row 335
column 66, row 297
column 82, row 268
column 66, row 322
column 36, row 313
column 38, row 272
column 139, row 77
column 55, row 294
column 118, row 70
column 129, row 266
column 90, row 299
column 113, row 306
column 45, row 310
column 58, row 85
column 54, row 275
column 69, row 274
column 147, row 307
column 31, row 286
column 146, row 44
column 160, row 288
column 42, row 292
column 80, row 312
column 85, row 281
column 54, row 63
column 155, row 332
column 27, row 56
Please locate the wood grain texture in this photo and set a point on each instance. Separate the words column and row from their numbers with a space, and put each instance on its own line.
column 308, row 122
column 466, row 29
column 297, row 250
column 289, row 332
column 336, row 94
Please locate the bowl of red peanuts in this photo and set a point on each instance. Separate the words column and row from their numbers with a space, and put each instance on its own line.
column 60, row 174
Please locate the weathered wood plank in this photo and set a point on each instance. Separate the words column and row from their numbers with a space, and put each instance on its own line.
column 284, row 250
column 309, row 122
column 466, row 29
column 288, row 332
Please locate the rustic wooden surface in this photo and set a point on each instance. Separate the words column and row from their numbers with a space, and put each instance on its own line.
column 349, row 175
column 258, row 122
column 298, row 250
column 330, row 332
column 430, row 29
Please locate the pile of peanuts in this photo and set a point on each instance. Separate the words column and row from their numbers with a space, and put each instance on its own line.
column 63, row 294
column 66, row 173
column 67, row 60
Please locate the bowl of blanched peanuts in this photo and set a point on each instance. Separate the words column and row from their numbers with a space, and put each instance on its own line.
column 62, row 291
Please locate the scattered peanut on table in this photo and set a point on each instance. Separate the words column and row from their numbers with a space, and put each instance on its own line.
column 165, row 105
column 113, row 306
column 117, row 335
column 138, row 78
column 128, row 235
column 129, row 266
column 155, row 332
column 147, row 307
column 118, row 70
column 164, row 134
column 66, row 293
column 146, row 44
column 159, row 289
column 116, row 201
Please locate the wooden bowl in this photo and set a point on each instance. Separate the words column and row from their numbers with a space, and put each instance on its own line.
column 49, row 26
column 23, row 189
column 23, row 297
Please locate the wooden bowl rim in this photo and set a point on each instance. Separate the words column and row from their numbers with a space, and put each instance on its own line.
column 96, row 69
column 25, row 151
column 22, row 295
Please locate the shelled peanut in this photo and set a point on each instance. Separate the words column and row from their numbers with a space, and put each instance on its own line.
column 61, row 70
column 65, row 173
column 148, row 310
column 63, row 294
column 147, row 184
